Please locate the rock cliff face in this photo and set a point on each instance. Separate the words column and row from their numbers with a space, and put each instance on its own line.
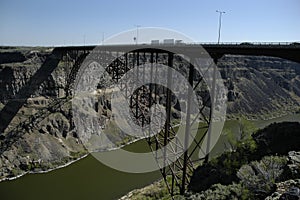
column 42, row 135
column 261, row 86
column 17, row 67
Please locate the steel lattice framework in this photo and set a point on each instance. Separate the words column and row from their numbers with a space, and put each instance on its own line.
column 177, row 174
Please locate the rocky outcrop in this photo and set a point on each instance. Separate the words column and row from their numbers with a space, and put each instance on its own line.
column 259, row 85
column 293, row 167
column 287, row 190
column 16, row 73
column 41, row 141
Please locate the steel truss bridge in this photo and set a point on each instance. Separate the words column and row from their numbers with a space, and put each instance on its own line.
column 178, row 174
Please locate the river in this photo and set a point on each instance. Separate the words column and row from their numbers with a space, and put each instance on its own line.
column 89, row 179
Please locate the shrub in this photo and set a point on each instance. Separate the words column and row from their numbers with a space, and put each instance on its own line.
column 223, row 169
column 259, row 176
column 220, row 192
column 278, row 138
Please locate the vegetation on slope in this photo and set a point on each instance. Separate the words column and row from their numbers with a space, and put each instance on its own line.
column 255, row 169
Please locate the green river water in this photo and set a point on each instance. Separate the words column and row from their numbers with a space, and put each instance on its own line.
column 88, row 179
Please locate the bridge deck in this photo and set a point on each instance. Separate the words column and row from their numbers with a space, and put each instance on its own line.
column 289, row 51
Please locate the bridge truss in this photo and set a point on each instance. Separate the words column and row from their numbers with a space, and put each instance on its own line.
column 176, row 175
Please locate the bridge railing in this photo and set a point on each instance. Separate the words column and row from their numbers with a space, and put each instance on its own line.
column 247, row 43
column 212, row 44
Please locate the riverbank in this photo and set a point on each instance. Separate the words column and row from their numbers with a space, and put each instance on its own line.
column 68, row 163
column 153, row 189
column 44, row 171
column 85, row 179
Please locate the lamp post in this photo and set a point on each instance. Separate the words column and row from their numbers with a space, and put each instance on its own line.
column 102, row 38
column 220, row 23
column 137, row 34
column 84, row 40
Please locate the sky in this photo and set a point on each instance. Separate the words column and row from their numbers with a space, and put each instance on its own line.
column 78, row 22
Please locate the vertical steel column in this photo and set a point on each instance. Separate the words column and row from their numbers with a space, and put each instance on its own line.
column 187, row 129
column 67, row 66
column 168, row 107
column 155, row 88
column 117, row 67
column 126, row 70
column 137, row 91
column 143, row 88
column 213, row 90
column 133, row 63
column 150, row 92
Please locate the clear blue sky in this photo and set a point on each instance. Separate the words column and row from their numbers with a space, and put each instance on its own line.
column 65, row 22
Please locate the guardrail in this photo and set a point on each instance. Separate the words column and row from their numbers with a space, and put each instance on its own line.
column 224, row 44
column 247, row 43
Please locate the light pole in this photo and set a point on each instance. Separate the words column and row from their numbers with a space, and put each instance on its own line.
column 102, row 38
column 137, row 34
column 84, row 40
column 220, row 23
